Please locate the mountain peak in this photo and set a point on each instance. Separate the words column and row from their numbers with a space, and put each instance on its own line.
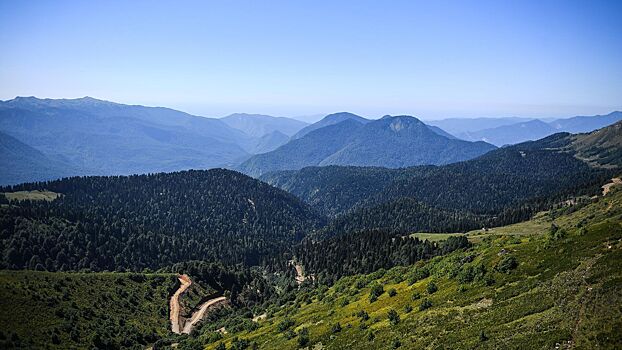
column 340, row 116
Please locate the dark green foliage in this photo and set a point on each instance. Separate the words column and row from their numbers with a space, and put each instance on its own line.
column 408, row 308
column 303, row 337
column 396, row 343
column 482, row 336
column 376, row 290
column 425, row 304
column 363, row 315
column 392, row 292
column 239, row 344
column 151, row 221
column 504, row 186
column 335, row 328
column 285, row 325
column 431, row 288
column 506, row 264
column 393, row 317
column 367, row 251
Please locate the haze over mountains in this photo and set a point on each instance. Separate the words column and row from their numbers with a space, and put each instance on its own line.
column 45, row 139
column 507, row 131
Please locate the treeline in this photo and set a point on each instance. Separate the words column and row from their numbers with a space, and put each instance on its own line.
column 366, row 251
column 151, row 221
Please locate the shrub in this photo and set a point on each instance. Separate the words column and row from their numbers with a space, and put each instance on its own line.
column 425, row 304
column 371, row 335
column 336, row 328
column 363, row 315
column 506, row 264
column 284, row 325
column 408, row 308
column 376, row 290
column 392, row 292
column 303, row 336
column 394, row 318
column 416, row 296
column 431, row 288
column 396, row 343
column 482, row 336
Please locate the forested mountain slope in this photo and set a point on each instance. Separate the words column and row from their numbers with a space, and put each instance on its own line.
column 391, row 142
column 553, row 283
column 506, row 185
column 150, row 221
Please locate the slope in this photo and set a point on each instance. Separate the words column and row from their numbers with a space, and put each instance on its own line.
column 555, row 288
column 22, row 163
column 100, row 137
column 258, row 125
column 391, row 142
column 151, row 221
column 330, row 119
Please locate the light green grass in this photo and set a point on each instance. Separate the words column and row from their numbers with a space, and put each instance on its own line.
column 564, row 290
column 435, row 237
column 35, row 195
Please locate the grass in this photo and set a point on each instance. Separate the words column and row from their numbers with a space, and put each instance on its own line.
column 82, row 310
column 435, row 237
column 32, row 195
column 566, row 290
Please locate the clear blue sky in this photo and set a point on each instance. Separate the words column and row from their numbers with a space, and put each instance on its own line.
column 430, row 59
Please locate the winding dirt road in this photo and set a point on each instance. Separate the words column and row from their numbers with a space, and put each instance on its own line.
column 198, row 315
column 174, row 303
column 180, row 325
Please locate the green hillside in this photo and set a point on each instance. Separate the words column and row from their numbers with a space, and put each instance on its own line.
column 560, row 286
column 83, row 310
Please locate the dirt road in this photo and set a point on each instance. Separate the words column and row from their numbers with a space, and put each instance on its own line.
column 198, row 315
column 174, row 303
column 607, row 187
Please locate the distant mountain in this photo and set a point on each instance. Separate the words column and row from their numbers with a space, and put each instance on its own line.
column 441, row 132
column 522, row 131
column 512, row 134
column 311, row 149
column 257, row 125
column 22, row 163
column 330, row 119
column 586, row 124
column 458, row 126
column 391, row 142
column 101, row 137
column 269, row 142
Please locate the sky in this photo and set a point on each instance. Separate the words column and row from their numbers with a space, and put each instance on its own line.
column 432, row 59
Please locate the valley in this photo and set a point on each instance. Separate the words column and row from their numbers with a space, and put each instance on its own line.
column 516, row 247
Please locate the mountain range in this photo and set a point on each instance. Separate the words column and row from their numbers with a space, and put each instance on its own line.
column 508, row 131
column 51, row 138
column 348, row 139
column 481, row 191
